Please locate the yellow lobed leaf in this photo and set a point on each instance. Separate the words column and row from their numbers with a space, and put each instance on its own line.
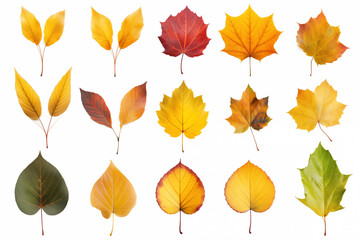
column 60, row 97
column 182, row 113
column 54, row 28
column 28, row 99
column 319, row 107
column 180, row 189
column 133, row 105
column 30, row 26
column 249, row 35
column 113, row 193
column 130, row 29
column 101, row 29
column 249, row 188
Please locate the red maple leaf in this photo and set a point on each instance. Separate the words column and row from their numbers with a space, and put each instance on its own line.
column 184, row 33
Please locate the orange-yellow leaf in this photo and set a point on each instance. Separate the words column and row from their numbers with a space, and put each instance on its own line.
column 180, row 189
column 249, row 35
column 130, row 29
column 133, row 105
column 30, row 26
column 318, row 107
column 113, row 194
column 249, row 188
column 320, row 40
column 101, row 29
column 54, row 28
column 28, row 99
column 61, row 95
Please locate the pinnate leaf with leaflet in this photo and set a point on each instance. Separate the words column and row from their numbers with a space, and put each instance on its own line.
column 324, row 184
column 40, row 186
column 249, row 112
column 320, row 41
column 131, row 109
column 31, row 29
column 182, row 113
column 113, row 194
column 129, row 33
column 318, row 107
column 249, row 188
column 180, row 190
column 184, row 33
column 30, row 102
column 249, row 36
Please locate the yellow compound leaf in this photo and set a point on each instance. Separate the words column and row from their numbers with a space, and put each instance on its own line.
column 249, row 35
column 133, row 105
column 249, row 112
column 182, row 113
column 101, row 29
column 28, row 99
column 113, row 194
column 320, row 40
column 180, row 189
column 249, row 188
column 54, row 28
column 319, row 107
column 30, row 26
column 60, row 97
column 130, row 29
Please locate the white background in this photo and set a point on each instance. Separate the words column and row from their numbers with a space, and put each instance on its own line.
column 81, row 149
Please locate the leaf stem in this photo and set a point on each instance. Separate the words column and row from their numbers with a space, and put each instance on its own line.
column 324, row 132
column 42, row 222
column 311, row 66
column 41, row 58
column 112, row 228
column 254, row 139
column 182, row 141
column 250, row 223
column 250, row 65
column 180, row 222
column 324, row 218
column 182, row 57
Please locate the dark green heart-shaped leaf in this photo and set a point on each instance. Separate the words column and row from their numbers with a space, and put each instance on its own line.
column 41, row 187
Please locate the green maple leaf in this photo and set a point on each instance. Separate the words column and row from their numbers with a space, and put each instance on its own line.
column 324, row 184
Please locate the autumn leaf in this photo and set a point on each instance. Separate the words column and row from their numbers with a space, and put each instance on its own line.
column 182, row 114
column 40, row 186
column 31, row 29
column 129, row 33
column 324, row 185
column 31, row 105
column 249, row 188
column 317, row 108
column 249, row 36
column 131, row 109
column 180, row 190
column 320, row 41
column 249, row 112
column 184, row 33
column 113, row 194
column 28, row 99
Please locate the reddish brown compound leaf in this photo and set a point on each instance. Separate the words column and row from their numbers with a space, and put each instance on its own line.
column 184, row 34
column 96, row 107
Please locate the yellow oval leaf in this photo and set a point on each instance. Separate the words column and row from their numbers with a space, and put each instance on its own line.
column 180, row 189
column 130, row 29
column 133, row 105
column 182, row 113
column 101, row 29
column 113, row 194
column 60, row 97
column 28, row 99
column 249, row 188
column 30, row 26
column 54, row 28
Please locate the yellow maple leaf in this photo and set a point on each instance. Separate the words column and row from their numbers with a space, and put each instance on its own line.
column 249, row 112
column 320, row 40
column 249, row 35
column 318, row 107
column 182, row 113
